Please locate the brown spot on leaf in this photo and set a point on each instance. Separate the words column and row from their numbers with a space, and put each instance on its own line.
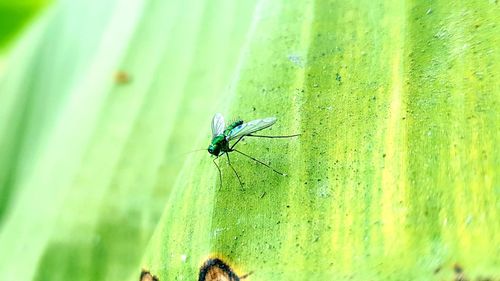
column 122, row 77
column 217, row 270
column 147, row 276
column 458, row 268
column 459, row 273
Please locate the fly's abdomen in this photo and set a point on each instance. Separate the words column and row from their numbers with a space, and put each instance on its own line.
column 232, row 126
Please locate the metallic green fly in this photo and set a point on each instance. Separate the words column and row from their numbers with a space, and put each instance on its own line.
column 236, row 131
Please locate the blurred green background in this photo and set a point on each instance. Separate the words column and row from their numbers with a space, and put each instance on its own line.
column 395, row 175
column 14, row 15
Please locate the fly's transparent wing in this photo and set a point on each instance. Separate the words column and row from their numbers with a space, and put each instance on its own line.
column 218, row 125
column 251, row 127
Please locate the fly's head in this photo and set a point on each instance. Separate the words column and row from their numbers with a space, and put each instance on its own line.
column 216, row 145
column 213, row 149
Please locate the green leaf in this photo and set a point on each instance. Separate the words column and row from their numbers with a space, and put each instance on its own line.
column 394, row 176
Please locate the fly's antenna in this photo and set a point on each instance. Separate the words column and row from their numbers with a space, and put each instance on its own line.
column 196, row 150
column 189, row 152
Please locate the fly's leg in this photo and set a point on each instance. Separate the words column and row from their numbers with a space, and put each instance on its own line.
column 234, row 144
column 261, row 136
column 220, row 173
column 229, row 162
column 273, row 137
column 260, row 162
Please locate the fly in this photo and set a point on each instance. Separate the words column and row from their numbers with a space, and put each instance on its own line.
column 222, row 136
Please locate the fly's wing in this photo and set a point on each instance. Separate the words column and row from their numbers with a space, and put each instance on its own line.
column 250, row 127
column 218, row 125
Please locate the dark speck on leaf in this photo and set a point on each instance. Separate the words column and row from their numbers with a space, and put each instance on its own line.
column 338, row 77
column 437, row 270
